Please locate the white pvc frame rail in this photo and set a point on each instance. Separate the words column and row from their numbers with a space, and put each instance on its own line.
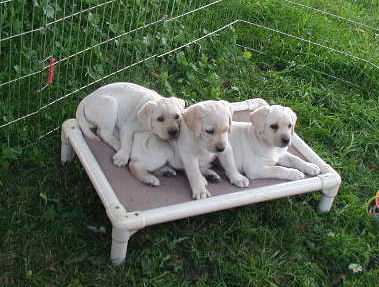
column 125, row 223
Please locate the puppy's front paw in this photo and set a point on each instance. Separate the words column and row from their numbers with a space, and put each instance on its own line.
column 312, row 169
column 151, row 180
column 203, row 181
column 294, row 174
column 239, row 180
column 201, row 193
column 120, row 159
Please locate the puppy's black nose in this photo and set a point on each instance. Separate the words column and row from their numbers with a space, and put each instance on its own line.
column 285, row 141
column 220, row 149
column 173, row 132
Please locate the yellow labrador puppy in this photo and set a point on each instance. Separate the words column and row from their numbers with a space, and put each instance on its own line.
column 126, row 108
column 150, row 155
column 203, row 137
column 260, row 147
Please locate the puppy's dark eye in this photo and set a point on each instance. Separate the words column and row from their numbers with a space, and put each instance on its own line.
column 160, row 119
column 211, row 132
column 289, row 126
column 274, row 127
column 176, row 117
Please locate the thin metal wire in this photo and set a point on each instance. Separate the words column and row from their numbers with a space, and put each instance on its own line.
column 106, row 47
column 119, row 46
column 108, row 40
column 198, row 39
column 1, row 20
column 70, row 64
column 134, row 48
column 157, row 42
column 192, row 11
column 311, row 42
column 144, row 21
column 91, row 52
column 10, row 86
column 20, row 59
column 1, row 29
column 56, row 21
column 30, row 64
column 58, row 73
column 134, row 18
column 77, row 41
column 331, row 14
column 83, row 74
column 53, row 53
column 44, row 56
column 41, row 137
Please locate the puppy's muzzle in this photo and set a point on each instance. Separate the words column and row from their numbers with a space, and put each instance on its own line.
column 285, row 141
column 173, row 132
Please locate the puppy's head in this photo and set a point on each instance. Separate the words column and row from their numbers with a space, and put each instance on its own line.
column 210, row 123
column 162, row 117
column 274, row 125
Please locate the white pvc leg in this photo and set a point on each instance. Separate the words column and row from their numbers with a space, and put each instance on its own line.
column 120, row 240
column 325, row 204
column 67, row 152
column 327, row 199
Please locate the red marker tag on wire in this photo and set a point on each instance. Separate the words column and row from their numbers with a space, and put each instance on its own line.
column 50, row 75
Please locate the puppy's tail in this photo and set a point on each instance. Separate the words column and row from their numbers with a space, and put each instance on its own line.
column 83, row 123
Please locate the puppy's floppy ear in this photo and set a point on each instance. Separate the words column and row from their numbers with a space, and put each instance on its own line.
column 258, row 118
column 145, row 112
column 193, row 116
column 230, row 109
column 179, row 102
column 293, row 119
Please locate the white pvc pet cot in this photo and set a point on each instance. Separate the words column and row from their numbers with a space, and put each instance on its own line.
column 131, row 205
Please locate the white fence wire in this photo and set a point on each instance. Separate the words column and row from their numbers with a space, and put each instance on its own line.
column 94, row 42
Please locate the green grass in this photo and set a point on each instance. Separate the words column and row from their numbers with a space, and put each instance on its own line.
column 45, row 207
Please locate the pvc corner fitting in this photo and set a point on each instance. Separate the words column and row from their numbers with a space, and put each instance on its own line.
column 253, row 104
column 330, row 183
column 122, row 219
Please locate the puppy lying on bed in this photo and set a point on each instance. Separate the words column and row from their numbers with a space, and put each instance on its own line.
column 203, row 137
column 260, row 147
column 129, row 108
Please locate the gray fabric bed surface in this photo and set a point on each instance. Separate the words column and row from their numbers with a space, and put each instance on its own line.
column 135, row 195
